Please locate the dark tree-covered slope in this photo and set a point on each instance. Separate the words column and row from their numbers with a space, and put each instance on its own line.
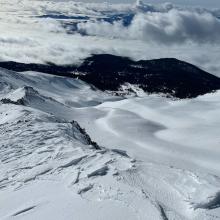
column 108, row 72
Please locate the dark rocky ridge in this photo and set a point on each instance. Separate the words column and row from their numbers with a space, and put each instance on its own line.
column 108, row 72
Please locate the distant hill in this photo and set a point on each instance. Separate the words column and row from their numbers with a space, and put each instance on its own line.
column 108, row 72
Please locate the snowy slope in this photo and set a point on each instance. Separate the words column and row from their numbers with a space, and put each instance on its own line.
column 138, row 158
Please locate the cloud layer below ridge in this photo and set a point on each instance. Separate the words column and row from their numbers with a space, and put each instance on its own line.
column 39, row 31
column 172, row 27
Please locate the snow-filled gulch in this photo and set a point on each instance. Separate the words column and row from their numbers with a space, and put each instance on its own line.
column 69, row 149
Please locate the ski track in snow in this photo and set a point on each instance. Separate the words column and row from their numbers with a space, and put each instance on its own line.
column 138, row 158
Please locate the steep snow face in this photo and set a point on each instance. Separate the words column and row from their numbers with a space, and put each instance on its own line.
column 138, row 158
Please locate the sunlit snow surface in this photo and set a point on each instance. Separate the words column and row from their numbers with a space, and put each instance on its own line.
column 155, row 158
column 159, row 159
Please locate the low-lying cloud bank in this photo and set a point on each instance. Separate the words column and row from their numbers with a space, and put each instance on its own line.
column 27, row 35
column 172, row 27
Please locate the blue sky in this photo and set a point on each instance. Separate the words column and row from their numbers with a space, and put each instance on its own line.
column 206, row 3
column 202, row 3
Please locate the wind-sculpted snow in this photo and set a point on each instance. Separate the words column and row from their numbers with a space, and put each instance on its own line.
column 68, row 151
column 41, row 147
column 71, row 151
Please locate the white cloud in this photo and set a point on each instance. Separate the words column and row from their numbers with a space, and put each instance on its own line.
column 169, row 32
column 170, row 27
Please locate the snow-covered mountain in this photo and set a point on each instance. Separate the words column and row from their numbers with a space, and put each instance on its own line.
column 69, row 151
column 96, row 122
